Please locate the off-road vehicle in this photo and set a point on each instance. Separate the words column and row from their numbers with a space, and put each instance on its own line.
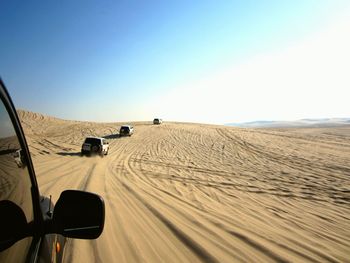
column 126, row 130
column 157, row 121
column 95, row 145
column 18, row 156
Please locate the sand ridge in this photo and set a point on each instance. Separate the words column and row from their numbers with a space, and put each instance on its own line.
column 181, row 192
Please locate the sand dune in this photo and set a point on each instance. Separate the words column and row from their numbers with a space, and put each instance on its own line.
column 203, row 193
column 304, row 123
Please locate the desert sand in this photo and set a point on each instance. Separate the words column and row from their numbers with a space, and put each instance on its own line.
column 181, row 192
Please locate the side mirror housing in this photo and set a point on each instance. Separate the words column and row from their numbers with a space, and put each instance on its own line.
column 79, row 214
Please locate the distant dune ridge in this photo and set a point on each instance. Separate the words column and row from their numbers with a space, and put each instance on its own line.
column 203, row 193
column 317, row 123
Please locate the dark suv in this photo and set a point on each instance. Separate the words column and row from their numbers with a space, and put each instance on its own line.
column 32, row 229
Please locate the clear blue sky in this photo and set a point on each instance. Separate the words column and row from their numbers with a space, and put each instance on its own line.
column 135, row 60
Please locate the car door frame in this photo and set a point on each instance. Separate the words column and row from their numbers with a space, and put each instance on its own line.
column 33, row 252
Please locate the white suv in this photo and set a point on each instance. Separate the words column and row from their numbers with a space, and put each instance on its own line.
column 95, row 145
column 18, row 155
column 126, row 130
column 157, row 121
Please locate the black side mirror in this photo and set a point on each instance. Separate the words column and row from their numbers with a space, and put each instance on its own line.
column 79, row 214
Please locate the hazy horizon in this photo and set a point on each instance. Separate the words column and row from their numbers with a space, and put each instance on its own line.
column 255, row 123
column 200, row 62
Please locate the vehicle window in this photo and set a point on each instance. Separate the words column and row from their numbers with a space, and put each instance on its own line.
column 92, row 141
column 15, row 184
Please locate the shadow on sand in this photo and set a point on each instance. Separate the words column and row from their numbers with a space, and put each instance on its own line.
column 111, row 136
column 69, row 153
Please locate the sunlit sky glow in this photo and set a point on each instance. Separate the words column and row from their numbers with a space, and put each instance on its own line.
column 204, row 61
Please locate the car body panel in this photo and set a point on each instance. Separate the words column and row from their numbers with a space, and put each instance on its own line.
column 52, row 245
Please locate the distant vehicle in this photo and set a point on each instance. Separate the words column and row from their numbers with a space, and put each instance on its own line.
column 157, row 121
column 95, row 145
column 32, row 228
column 18, row 155
column 126, row 130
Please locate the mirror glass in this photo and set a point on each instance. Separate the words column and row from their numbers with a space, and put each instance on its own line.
column 79, row 214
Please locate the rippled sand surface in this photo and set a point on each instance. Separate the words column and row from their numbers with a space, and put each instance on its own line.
column 202, row 193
